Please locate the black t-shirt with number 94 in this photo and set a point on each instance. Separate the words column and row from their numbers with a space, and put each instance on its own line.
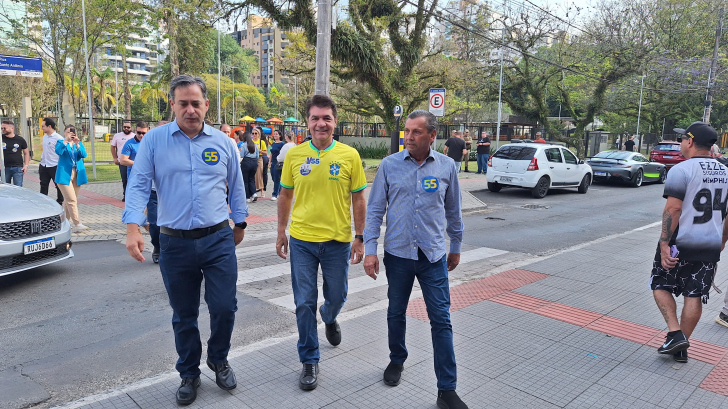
column 702, row 184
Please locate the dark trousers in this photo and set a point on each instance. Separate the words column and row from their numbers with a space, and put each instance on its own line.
column 265, row 172
column 124, row 178
column 275, row 174
column 249, row 166
column 184, row 263
column 152, row 218
column 47, row 174
column 433, row 279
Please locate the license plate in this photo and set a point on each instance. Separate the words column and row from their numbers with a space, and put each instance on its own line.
column 505, row 179
column 39, row 245
column 667, row 157
column 600, row 173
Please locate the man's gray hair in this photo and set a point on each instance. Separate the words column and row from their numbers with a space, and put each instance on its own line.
column 185, row 80
column 431, row 119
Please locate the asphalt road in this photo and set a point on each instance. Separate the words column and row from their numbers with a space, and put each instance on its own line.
column 569, row 218
column 98, row 321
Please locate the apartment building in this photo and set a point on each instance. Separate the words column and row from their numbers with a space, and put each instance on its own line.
column 267, row 42
column 144, row 55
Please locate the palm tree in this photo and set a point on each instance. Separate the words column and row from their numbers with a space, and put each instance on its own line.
column 77, row 90
column 228, row 98
column 102, row 80
column 152, row 90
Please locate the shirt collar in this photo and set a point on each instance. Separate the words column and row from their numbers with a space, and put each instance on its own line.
column 174, row 128
column 333, row 142
column 407, row 155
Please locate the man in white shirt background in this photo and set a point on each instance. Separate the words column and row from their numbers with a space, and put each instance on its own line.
column 117, row 144
column 49, row 158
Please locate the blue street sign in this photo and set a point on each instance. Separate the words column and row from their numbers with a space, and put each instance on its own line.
column 21, row 66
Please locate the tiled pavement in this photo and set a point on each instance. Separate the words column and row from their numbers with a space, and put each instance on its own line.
column 578, row 329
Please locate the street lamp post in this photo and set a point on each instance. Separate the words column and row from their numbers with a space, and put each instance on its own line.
column 500, row 89
column 88, row 91
column 639, row 113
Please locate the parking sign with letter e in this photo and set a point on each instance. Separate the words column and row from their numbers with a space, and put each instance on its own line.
column 437, row 101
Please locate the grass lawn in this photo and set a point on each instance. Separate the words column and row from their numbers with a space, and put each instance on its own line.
column 104, row 173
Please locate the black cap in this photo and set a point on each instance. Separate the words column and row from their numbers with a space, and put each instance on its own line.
column 702, row 133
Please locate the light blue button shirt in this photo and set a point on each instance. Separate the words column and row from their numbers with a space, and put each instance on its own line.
column 190, row 176
column 421, row 203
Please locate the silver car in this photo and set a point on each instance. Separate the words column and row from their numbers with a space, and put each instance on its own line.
column 33, row 230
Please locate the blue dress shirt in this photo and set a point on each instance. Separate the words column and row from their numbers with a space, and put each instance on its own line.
column 190, row 176
column 421, row 202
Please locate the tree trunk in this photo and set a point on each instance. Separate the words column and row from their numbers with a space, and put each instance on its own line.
column 127, row 88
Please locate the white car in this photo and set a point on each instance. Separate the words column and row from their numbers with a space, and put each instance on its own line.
column 33, row 230
column 539, row 167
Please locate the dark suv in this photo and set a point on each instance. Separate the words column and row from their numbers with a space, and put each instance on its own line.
column 667, row 153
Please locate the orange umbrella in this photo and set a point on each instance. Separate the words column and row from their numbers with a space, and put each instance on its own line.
column 275, row 120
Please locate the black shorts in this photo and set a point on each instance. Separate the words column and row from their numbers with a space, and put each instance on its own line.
column 687, row 278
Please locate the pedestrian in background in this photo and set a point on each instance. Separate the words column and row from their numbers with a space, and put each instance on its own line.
column 693, row 235
column 419, row 191
column 327, row 179
column 275, row 169
column 629, row 145
column 71, row 174
column 455, row 148
column 49, row 158
column 117, row 144
column 128, row 154
column 15, row 154
column 539, row 138
column 468, row 146
column 192, row 164
column 483, row 149
column 249, row 165
column 263, row 152
column 290, row 143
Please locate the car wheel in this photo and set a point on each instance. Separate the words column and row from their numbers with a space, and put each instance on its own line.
column 637, row 179
column 663, row 176
column 494, row 187
column 584, row 185
column 542, row 187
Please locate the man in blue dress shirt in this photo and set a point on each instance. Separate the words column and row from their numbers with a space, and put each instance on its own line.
column 191, row 164
column 419, row 191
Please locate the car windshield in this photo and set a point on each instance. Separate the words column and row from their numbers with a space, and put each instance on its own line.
column 620, row 155
column 667, row 147
column 515, row 152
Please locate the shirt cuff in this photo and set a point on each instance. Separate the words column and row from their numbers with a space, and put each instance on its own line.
column 130, row 216
column 455, row 246
column 370, row 248
column 239, row 216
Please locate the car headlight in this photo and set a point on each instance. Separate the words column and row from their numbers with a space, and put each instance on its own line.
column 62, row 216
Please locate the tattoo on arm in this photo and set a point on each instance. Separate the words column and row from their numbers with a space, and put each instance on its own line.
column 667, row 230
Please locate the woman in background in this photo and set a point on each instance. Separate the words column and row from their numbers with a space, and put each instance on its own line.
column 275, row 167
column 71, row 174
column 249, row 165
column 263, row 151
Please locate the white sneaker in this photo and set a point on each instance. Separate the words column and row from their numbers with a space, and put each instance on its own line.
column 79, row 228
column 248, row 200
column 274, row 198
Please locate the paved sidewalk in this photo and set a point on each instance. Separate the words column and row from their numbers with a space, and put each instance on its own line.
column 100, row 206
column 577, row 329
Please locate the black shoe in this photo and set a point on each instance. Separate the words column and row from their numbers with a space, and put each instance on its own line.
column 681, row 357
column 722, row 319
column 449, row 400
column 673, row 344
column 393, row 374
column 333, row 331
column 187, row 391
column 224, row 375
column 155, row 255
column 123, row 198
column 308, row 380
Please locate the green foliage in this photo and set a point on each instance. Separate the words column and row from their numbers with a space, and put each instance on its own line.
column 378, row 151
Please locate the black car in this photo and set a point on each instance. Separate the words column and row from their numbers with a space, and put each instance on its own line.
column 630, row 167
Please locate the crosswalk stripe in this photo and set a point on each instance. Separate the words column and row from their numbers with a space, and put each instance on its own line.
column 366, row 283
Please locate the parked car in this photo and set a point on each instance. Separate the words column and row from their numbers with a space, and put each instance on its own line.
column 33, row 230
column 667, row 153
column 631, row 167
column 539, row 167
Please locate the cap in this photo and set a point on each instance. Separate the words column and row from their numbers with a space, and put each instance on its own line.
column 700, row 132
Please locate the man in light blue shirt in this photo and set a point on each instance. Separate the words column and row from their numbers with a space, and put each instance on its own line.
column 419, row 191
column 191, row 165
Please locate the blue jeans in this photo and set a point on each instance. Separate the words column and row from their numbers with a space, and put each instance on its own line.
column 276, row 175
column 152, row 218
column 333, row 257
column 184, row 263
column 433, row 279
column 483, row 163
column 14, row 173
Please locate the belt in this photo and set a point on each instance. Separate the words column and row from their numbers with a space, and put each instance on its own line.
column 194, row 233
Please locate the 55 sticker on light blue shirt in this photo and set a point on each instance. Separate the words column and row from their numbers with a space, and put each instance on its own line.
column 210, row 156
column 430, row 184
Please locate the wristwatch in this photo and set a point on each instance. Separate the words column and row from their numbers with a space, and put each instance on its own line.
column 360, row 237
column 242, row 225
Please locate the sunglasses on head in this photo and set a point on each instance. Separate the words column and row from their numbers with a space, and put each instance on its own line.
column 140, row 133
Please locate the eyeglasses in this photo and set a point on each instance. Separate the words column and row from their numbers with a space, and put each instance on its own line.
column 679, row 139
column 141, row 133
column 127, row 127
